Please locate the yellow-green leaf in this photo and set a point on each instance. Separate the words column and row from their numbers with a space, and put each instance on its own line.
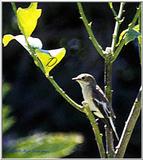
column 33, row 42
column 27, row 18
column 50, row 58
column 129, row 34
column 7, row 38
column 41, row 146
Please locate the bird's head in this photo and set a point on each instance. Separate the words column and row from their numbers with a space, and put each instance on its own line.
column 85, row 79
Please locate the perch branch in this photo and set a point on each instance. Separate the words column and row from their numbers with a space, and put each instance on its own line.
column 98, row 135
column 64, row 95
column 129, row 126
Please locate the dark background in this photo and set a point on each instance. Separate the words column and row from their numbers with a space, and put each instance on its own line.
column 35, row 104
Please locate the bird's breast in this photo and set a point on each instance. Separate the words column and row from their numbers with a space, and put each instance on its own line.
column 87, row 95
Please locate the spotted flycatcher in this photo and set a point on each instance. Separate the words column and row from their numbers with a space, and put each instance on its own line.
column 96, row 99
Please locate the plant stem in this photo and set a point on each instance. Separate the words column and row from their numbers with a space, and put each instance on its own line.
column 109, row 145
column 97, row 134
column 129, row 126
column 131, row 25
column 118, row 50
column 117, row 25
column 108, row 92
column 14, row 7
column 108, row 79
column 112, row 9
column 137, row 15
column 64, row 95
column 89, row 30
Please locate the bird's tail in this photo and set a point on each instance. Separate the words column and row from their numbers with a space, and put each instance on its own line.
column 113, row 128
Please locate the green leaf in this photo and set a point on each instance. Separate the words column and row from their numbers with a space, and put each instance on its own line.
column 7, row 121
column 136, row 28
column 27, row 18
column 44, row 146
column 50, row 58
column 5, row 89
column 129, row 35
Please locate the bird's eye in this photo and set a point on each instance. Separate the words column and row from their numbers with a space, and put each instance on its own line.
column 83, row 78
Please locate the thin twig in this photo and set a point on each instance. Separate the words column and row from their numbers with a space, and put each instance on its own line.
column 118, row 50
column 112, row 9
column 98, row 135
column 137, row 15
column 117, row 25
column 89, row 30
column 129, row 126
column 64, row 95
column 131, row 25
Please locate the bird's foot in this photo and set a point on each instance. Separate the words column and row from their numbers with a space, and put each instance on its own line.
column 84, row 103
column 97, row 119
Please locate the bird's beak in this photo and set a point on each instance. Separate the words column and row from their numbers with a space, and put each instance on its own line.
column 75, row 78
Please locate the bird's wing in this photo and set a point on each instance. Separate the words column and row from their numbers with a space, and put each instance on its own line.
column 102, row 102
column 104, row 107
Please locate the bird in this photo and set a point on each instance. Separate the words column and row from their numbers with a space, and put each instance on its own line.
column 97, row 100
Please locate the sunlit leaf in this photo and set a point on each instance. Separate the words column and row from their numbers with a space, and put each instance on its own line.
column 50, row 58
column 44, row 146
column 7, row 38
column 33, row 42
column 27, row 18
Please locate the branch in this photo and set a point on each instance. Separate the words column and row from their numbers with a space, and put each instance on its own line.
column 129, row 126
column 137, row 15
column 112, row 9
column 89, row 30
column 64, row 95
column 108, row 92
column 117, row 25
column 118, row 50
column 109, row 142
column 97, row 134
column 131, row 25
